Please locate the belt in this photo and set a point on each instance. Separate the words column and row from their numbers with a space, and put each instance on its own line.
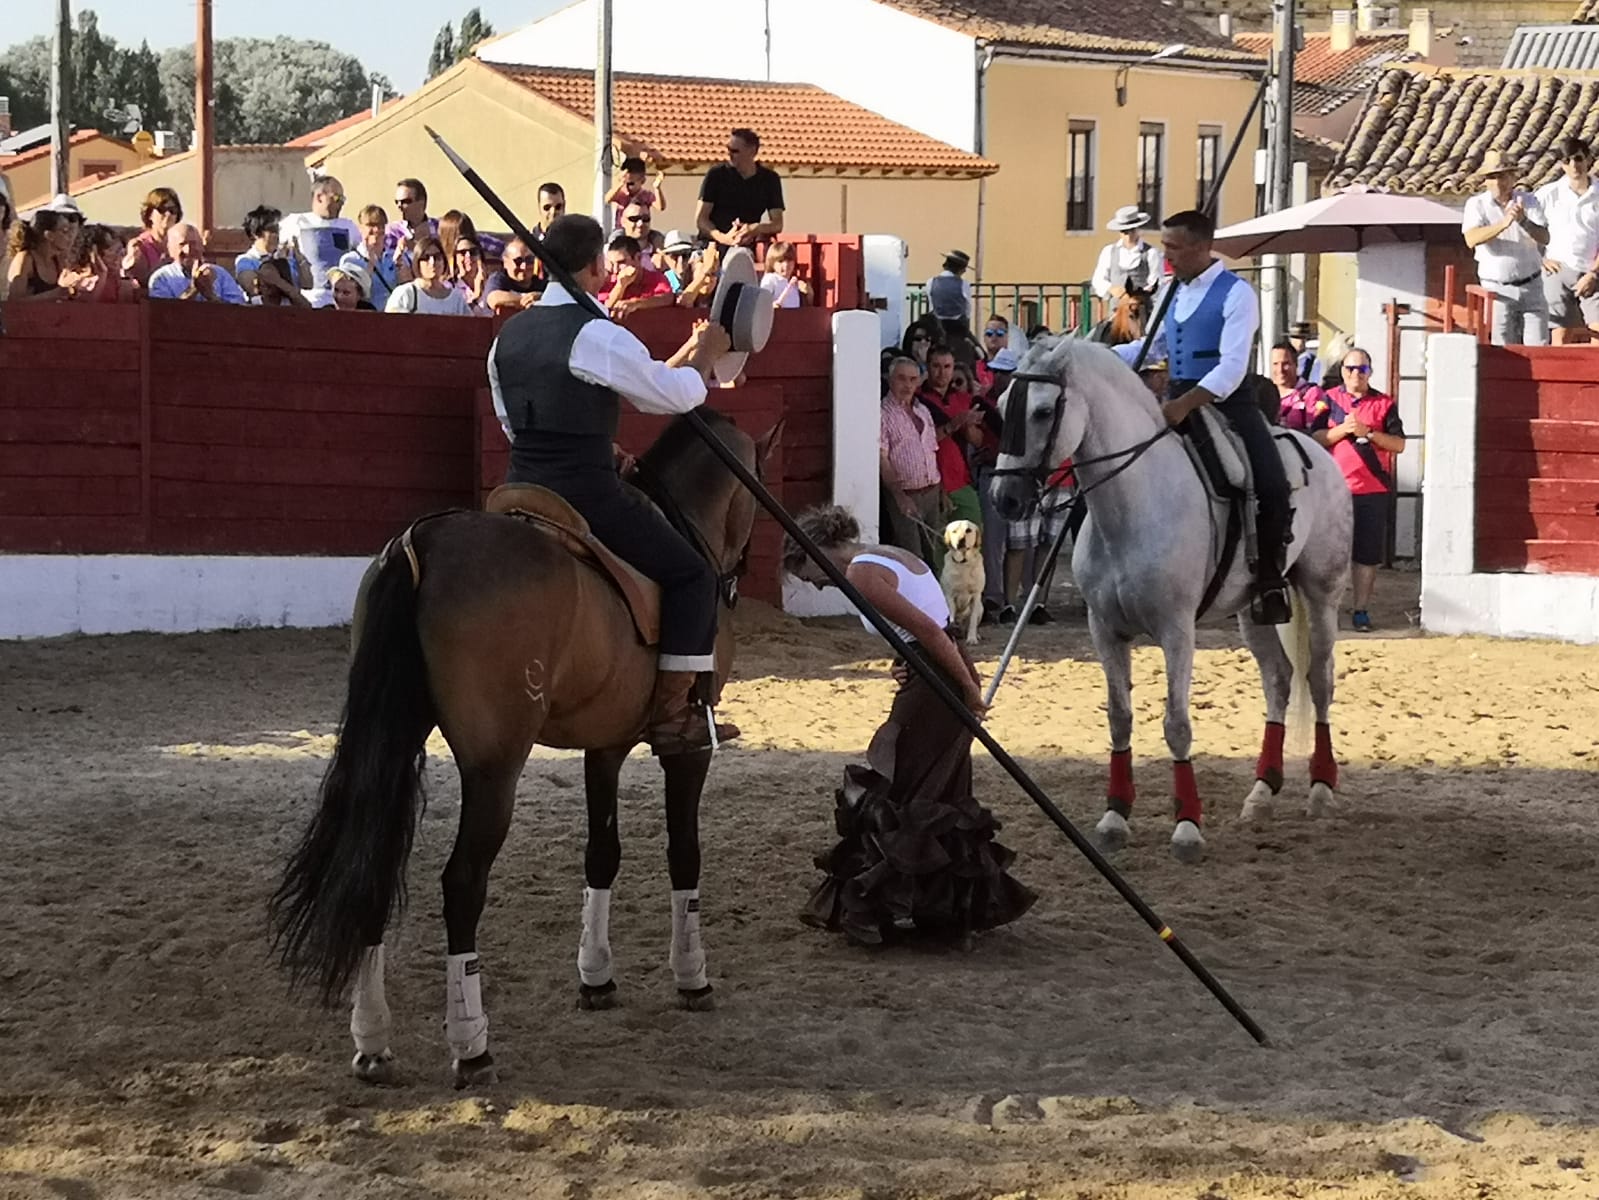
column 1523, row 282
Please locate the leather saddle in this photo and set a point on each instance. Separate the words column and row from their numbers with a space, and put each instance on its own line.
column 1219, row 457
column 550, row 513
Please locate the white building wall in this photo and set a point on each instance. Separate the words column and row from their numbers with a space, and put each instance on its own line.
column 909, row 70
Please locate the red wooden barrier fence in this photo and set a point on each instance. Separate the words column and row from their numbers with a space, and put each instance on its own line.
column 1538, row 459
column 183, row 428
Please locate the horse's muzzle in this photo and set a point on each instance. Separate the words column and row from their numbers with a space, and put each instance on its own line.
column 1011, row 495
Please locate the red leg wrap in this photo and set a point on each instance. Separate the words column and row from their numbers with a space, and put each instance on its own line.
column 1323, row 766
column 1269, row 766
column 1187, row 792
column 1119, row 794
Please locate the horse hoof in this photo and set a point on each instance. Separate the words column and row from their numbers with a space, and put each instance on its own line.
column 1188, row 844
column 696, row 999
column 1111, row 834
column 1320, row 802
column 1257, row 805
column 598, row 997
column 378, row 1069
column 475, row 1072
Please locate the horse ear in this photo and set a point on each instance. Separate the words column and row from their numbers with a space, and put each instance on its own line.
column 768, row 442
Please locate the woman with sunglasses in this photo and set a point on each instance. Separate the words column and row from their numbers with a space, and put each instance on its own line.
column 160, row 211
column 471, row 277
column 1361, row 427
column 431, row 292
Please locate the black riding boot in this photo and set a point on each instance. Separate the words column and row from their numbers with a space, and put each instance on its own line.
column 1273, row 527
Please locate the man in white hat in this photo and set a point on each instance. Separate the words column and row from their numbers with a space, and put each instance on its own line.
column 558, row 373
column 1505, row 228
column 1129, row 263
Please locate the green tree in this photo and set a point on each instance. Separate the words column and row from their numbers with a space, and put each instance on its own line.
column 443, row 56
column 473, row 30
column 26, row 70
column 105, row 80
column 269, row 90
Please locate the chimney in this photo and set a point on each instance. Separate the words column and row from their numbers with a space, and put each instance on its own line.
column 1366, row 16
column 5, row 116
column 1343, row 30
column 166, row 142
column 1224, row 24
column 1421, row 32
column 377, row 99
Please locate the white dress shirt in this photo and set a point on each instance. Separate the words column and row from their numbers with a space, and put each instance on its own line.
column 1573, row 220
column 1513, row 255
column 1241, row 317
column 606, row 354
column 1117, row 255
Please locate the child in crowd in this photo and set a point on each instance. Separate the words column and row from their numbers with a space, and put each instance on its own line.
column 787, row 288
column 632, row 189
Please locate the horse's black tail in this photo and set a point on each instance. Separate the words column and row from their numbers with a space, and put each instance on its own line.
column 346, row 879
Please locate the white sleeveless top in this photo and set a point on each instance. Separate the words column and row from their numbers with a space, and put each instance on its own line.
column 922, row 589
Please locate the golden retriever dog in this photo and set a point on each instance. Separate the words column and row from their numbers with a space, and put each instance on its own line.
column 963, row 576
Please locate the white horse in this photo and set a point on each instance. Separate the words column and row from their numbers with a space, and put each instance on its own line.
column 1147, row 551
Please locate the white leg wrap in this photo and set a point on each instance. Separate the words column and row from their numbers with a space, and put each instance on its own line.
column 466, row 1028
column 594, row 948
column 369, row 1011
column 688, row 956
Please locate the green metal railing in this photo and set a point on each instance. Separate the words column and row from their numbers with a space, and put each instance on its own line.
column 1060, row 306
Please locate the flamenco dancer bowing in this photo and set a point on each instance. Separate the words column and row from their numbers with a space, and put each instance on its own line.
column 917, row 850
column 557, row 372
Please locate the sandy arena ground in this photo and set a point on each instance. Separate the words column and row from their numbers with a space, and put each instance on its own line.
column 1423, row 960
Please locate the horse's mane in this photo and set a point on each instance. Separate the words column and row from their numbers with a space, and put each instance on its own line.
column 1122, row 322
column 679, row 439
column 1079, row 363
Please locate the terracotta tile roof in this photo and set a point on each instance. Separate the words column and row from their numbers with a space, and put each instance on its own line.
column 1426, row 129
column 1326, row 79
column 1079, row 25
column 684, row 122
column 8, row 161
column 320, row 137
column 1587, row 13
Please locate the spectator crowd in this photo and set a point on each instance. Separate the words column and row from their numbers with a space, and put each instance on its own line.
column 411, row 263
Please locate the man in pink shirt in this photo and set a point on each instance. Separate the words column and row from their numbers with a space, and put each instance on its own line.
column 908, row 465
column 634, row 285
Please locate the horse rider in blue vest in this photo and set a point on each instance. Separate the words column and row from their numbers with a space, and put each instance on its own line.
column 1208, row 339
column 557, row 372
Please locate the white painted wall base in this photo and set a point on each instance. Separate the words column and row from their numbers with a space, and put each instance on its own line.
column 49, row 595
column 856, row 422
column 1456, row 598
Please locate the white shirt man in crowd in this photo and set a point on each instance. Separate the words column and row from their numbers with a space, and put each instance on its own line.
column 1129, row 263
column 1571, row 275
column 1504, row 226
column 323, row 237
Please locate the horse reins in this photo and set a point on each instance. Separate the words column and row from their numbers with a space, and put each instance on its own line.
column 726, row 580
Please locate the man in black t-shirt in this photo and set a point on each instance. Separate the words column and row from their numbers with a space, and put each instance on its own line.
column 514, row 286
column 741, row 201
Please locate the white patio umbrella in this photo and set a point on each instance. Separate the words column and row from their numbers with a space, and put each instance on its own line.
column 1355, row 218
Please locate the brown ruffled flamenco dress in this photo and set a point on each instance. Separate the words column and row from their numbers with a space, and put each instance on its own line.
column 917, row 854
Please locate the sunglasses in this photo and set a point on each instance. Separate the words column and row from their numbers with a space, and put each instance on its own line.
column 1359, row 370
column 920, row 337
column 431, row 256
column 637, row 220
column 464, row 251
column 406, row 201
column 995, row 332
column 172, row 210
column 523, row 261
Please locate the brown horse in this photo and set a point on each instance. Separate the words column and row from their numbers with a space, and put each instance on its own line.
column 486, row 627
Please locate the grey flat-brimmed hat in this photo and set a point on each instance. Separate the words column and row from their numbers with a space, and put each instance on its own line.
column 1127, row 218
column 743, row 309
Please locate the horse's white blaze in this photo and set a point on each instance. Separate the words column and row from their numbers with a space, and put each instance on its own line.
column 369, row 1008
column 594, row 947
column 1257, row 804
column 688, row 956
column 1320, row 802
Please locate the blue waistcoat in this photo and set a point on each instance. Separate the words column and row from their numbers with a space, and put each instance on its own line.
column 1195, row 343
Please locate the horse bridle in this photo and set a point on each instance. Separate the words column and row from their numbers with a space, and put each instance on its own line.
column 1018, row 412
column 726, row 579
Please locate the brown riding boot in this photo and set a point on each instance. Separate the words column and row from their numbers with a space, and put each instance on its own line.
column 678, row 720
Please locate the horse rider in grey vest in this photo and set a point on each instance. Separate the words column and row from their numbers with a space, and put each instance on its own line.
column 1129, row 264
column 1213, row 320
column 557, row 372
column 949, row 294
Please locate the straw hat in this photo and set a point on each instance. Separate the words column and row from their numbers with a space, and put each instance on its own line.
column 1498, row 162
column 743, row 309
column 1127, row 218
